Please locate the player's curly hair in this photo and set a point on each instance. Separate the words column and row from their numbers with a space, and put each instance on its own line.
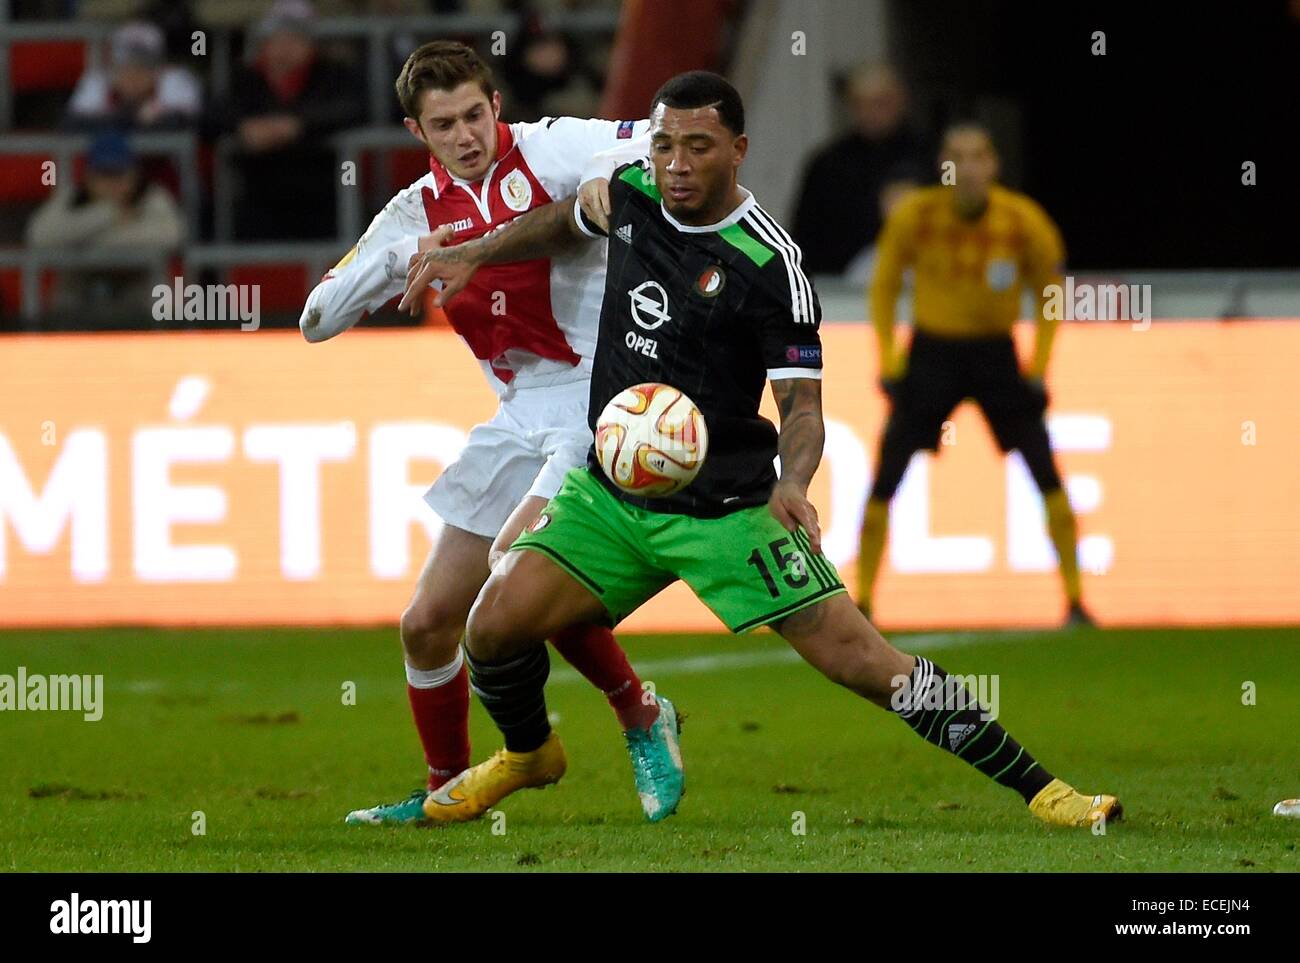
column 440, row 65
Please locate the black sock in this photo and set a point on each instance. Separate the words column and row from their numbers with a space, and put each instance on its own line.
column 944, row 713
column 512, row 693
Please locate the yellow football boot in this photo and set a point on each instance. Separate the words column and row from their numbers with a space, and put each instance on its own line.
column 479, row 788
column 1060, row 804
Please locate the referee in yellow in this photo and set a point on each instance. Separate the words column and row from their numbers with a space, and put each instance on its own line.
column 973, row 247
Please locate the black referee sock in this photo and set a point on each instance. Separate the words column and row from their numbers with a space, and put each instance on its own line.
column 942, row 711
column 512, row 693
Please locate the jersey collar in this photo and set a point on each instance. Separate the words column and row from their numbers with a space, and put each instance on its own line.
column 741, row 210
column 442, row 178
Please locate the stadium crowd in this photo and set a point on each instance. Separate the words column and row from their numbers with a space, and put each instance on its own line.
column 264, row 118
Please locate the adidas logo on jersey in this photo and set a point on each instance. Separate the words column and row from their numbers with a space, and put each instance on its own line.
column 624, row 233
column 957, row 734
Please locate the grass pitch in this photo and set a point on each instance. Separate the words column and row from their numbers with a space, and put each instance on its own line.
column 250, row 729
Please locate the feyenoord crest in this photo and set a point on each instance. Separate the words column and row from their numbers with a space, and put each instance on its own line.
column 516, row 191
column 710, row 281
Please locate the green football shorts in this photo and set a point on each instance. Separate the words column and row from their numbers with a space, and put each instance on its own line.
column 744, row 566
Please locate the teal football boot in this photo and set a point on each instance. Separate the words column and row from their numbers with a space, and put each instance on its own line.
column 408, row 812
column 657, row 763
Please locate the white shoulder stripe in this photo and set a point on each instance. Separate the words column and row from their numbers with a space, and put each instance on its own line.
column 797, row 306
column 801, row 300
column 788, row 243
column 781, row 232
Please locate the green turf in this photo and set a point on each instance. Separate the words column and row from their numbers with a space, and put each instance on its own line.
column 249, row 727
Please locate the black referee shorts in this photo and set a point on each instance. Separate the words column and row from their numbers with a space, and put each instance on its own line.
column 941, row 373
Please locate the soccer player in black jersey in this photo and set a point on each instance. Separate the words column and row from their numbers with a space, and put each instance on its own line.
column 705, row 292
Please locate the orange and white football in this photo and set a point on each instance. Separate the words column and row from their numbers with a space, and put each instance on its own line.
column 651, row 440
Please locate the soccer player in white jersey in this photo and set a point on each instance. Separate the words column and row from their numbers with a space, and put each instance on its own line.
column 532, row 327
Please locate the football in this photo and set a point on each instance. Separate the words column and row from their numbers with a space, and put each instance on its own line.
column 651, row 440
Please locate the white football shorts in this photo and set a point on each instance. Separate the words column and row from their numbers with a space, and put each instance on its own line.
column 535, row 437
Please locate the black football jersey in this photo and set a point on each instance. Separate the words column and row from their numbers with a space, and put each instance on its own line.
column 713, row 311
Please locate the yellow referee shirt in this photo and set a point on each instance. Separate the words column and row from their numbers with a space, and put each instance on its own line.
column 968, row 275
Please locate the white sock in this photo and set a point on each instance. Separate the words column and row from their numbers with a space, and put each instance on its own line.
column 432, row 678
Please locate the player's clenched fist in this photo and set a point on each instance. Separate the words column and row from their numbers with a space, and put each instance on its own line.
column 790, row 506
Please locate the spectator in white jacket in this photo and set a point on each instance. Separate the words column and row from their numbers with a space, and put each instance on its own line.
column 139, row 90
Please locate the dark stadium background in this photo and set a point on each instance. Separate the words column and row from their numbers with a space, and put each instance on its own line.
column 1136, row 154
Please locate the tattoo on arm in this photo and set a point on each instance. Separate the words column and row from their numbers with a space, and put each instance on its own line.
column 803, row 433
column 542, row 232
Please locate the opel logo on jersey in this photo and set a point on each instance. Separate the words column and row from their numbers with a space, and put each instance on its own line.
column 710, row 282
column 516, row 191
column 649, row 305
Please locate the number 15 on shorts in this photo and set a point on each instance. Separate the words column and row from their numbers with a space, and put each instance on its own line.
column 781, row 558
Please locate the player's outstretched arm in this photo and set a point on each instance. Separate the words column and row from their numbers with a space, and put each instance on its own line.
column 371, row 274
column 543, row 232
column 360, row 284
column 803, row 434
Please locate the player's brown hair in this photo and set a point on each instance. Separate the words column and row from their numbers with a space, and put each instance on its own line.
column 440, row 65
